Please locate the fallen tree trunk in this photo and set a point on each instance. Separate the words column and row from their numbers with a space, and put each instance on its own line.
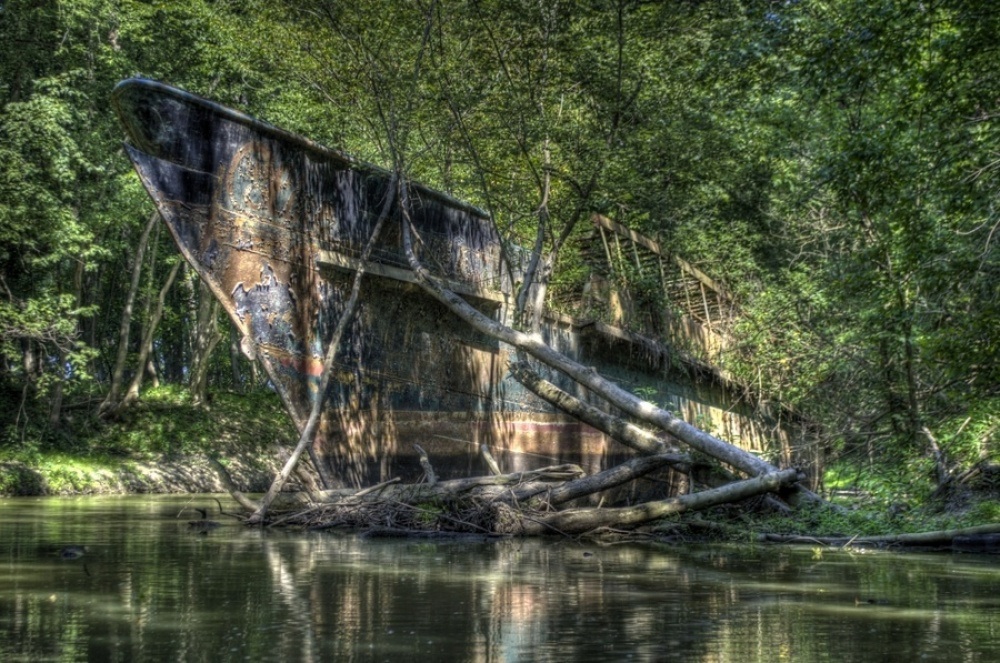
column 610, row 478
column 944, row 537
column 588, row 377
column 576, row 521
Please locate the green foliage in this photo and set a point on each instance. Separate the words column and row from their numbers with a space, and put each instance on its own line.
column 827, row 522
column 167, row 422
column 17, row 479
column 164, row 422
column 87, row 455
column 986, row 511
column 881, row 486
column 834, row 163
column 873, row 313
column 974, row 434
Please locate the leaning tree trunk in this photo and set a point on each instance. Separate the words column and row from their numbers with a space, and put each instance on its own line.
column 309, row 430
column 205, row 337
column 588, row 377
column 146, row 346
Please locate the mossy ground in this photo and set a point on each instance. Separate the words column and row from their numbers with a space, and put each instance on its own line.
column 154, row 446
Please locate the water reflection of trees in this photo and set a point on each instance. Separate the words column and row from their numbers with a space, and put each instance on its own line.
column 155, row 590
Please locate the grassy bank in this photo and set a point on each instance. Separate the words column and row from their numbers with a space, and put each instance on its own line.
column 161, row 444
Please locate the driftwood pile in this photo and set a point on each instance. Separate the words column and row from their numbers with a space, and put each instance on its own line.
column 528, row 504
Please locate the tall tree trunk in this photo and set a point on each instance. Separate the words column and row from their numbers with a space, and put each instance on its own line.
column 146, row 346
column 118, row 372
column 56, row 397
column 151, row 370
column 235, row 358
column 31, row 360
column 205, row 338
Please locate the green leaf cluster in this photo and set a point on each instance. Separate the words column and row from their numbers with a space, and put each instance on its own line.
column 835, row 163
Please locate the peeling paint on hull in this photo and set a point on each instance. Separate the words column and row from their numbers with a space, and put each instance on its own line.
column 271, row 222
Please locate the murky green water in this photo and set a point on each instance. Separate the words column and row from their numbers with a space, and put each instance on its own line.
column 149, row 588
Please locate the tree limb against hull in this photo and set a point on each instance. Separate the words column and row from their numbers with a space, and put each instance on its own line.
column 624, row 432
column 309, row 430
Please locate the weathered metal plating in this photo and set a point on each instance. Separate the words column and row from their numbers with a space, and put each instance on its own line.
column 274, row 224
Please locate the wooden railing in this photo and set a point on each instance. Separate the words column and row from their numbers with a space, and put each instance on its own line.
column 635, row 284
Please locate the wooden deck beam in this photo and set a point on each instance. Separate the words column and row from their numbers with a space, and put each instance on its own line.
column 346, row 263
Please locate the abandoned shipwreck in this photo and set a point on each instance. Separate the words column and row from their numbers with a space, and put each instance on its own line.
column 275, row 225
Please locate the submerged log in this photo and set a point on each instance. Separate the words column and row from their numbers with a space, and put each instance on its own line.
column 970, row 539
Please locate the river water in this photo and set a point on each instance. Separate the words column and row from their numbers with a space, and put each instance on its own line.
column 148, row 587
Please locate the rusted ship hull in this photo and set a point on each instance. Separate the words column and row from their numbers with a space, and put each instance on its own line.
column 273, row 224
